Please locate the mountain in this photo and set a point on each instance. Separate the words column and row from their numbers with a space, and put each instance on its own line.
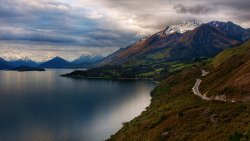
column 4, row 64
column 231, row 29
column 176, row 113
column 180, row 28
column 183, row 42
column 56, row 62
column 87, row 59
column 23, row 62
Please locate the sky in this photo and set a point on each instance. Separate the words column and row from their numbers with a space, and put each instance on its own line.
column 42, row 29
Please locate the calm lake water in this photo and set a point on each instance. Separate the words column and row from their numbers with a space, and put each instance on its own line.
column 38, row 106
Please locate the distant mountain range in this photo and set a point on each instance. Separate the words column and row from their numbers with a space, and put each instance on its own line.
column 182, row 42
column 23, row 62
column 87, row 59
column 83, row 61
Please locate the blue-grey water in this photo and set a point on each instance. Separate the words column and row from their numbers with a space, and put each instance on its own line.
column 42, row 106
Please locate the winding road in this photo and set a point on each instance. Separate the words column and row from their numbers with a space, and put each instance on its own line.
column 197, row 84
column 197, row 92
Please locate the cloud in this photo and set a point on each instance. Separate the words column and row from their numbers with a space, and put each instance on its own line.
column 84, row 25
column 45, row 51
column 196, row 9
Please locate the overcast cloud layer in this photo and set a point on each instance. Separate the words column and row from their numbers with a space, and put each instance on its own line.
column 41, row 29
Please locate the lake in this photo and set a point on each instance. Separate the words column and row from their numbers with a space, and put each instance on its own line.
column 44, row 106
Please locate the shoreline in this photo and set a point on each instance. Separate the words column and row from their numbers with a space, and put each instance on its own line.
column 83, row 77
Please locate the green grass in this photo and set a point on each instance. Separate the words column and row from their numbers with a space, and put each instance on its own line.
column 228, row 53
column 178, row 67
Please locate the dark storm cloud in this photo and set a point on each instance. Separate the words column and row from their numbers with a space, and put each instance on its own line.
column 242, row 5
column 196, row 9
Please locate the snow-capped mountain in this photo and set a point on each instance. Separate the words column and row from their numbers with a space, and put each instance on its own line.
column 180, row 28
column 87, row 59
column 181, row 42
column 25, row 61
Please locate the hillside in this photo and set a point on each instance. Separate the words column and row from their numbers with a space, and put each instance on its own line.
column 175, row 113
column 231, row 70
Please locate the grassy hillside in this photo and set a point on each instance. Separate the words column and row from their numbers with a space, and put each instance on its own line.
column 230, row 74
column 176, row 114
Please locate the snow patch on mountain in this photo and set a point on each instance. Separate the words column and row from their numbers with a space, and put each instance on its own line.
column 180, row 28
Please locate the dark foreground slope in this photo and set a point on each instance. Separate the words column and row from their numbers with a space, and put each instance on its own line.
column 175, row 113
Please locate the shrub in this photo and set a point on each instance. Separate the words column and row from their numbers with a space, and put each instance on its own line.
column 236, row 136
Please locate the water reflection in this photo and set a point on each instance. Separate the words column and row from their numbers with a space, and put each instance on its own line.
column 44, row 106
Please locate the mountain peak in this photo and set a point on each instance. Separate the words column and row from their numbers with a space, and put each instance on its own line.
column 232, row 29
column 180, row 28
column 57, row 57
column 24, row 59
column 56, row 62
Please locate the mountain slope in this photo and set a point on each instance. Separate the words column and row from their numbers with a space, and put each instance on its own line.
column 233, row 30
column 204, row 41
column 23, row 62
column 175, row 113
column 231, row 70
column 4, row 64
column 56, row 62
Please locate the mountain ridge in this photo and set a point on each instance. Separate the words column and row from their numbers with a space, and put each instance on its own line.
column 87, row 59
column 159, row 46
column 23, row 62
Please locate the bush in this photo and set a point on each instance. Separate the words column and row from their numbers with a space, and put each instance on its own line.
column 236, row 136
column 157, row 122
